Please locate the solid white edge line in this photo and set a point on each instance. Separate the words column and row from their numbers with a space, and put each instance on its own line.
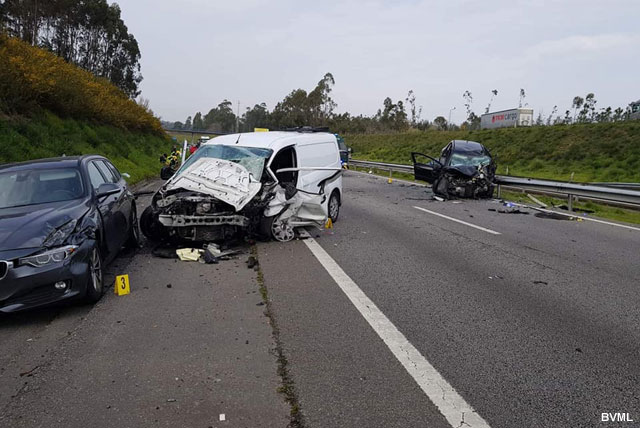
column 484, row 229
column 450, row 404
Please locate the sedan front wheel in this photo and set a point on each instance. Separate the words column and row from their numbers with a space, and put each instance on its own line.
column 95, row 285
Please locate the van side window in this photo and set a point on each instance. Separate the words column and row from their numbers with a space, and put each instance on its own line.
column 286, row 158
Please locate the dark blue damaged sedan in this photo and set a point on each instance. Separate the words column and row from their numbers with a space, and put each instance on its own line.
column 61, row 221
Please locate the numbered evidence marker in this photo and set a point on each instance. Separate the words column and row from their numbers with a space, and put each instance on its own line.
column 122, row 285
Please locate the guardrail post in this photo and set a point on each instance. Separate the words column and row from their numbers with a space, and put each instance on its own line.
column 390, row 173
column 499, row 191
column 570, row 202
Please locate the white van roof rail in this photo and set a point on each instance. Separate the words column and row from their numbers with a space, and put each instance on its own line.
column 307, row 129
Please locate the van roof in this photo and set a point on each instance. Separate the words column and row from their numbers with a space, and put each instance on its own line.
column 274, row 140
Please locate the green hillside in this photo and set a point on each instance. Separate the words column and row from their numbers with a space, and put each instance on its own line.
column 594, row 152
column 49, row 107
column 48, row 135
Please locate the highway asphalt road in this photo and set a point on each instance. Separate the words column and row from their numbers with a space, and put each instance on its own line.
column 188, row 347
column 532, row 322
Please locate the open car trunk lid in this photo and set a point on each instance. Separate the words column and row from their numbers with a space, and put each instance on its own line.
column 224, row 180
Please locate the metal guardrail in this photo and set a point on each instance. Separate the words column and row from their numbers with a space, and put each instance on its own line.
column 630, row 186
column 613, row 192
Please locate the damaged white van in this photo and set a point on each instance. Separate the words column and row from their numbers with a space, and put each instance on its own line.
column 261, row 184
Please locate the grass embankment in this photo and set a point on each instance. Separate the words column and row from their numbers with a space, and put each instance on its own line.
column 46, row 136
column 592, row 152
column 49, row 107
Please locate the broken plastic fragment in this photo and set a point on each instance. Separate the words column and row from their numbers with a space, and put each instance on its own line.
column 189, row 254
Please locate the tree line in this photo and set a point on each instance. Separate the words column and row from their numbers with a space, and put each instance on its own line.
column 317, row 108
column 87, row 33
column 583, row 110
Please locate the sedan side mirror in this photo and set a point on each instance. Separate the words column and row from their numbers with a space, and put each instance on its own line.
column 107, row 189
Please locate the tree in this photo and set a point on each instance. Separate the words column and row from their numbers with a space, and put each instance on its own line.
column 292, row 111
column 577, row 103
column 605, row 115
column 415, row 111
column 494, row 94
column 473, row 121
column 256, row 117
column 393, row 115
column 198, row 124
column 550, row 118
column 220, row 118
column 319, row 102
column 618, row 114
column 187, row 123
column 441, row 123
column 522, row 97
column 87, row 33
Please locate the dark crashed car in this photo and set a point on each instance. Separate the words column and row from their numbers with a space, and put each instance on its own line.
column 465, row 169
column 61, row 221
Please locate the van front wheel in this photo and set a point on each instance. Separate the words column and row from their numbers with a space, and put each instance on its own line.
column 334, row 206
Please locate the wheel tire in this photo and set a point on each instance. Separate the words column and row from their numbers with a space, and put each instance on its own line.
column 280, row 231
column 333, row 207
column 264, row 229
column 150, row 226
column 133, row 241
column 95, row 283
column 440, row 187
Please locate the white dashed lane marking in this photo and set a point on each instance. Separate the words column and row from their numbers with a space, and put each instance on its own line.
column 484, row 229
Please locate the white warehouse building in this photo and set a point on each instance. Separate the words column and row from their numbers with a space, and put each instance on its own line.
column 507, row 118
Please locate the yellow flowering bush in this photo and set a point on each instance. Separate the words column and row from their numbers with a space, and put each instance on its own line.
column 33, row 79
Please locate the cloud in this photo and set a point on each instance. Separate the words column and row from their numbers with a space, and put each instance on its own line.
column 197, row 52
column 584, row 45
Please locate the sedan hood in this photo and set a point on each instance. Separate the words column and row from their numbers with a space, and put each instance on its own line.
column 222, row 179
column 28, row 226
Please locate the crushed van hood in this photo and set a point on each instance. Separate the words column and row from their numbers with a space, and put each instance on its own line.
column 222, row 179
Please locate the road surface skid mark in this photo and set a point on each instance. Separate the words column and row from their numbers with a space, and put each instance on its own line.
column 493, row 232
column 452, row 406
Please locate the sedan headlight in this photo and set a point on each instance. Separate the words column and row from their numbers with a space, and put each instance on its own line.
column 55, row 255
column 58, row 236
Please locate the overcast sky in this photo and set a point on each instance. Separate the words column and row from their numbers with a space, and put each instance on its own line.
column 195, row 53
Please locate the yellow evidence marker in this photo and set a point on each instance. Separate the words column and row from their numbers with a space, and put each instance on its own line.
column 328, row 224
column 122, row 285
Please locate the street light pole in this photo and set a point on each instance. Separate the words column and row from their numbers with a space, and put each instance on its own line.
column 449, row 121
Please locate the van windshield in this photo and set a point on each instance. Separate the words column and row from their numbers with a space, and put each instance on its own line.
column 252, row 158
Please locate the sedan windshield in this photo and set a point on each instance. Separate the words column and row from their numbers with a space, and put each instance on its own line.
column 39, row 186
column 469, row 159
column 253, row 159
